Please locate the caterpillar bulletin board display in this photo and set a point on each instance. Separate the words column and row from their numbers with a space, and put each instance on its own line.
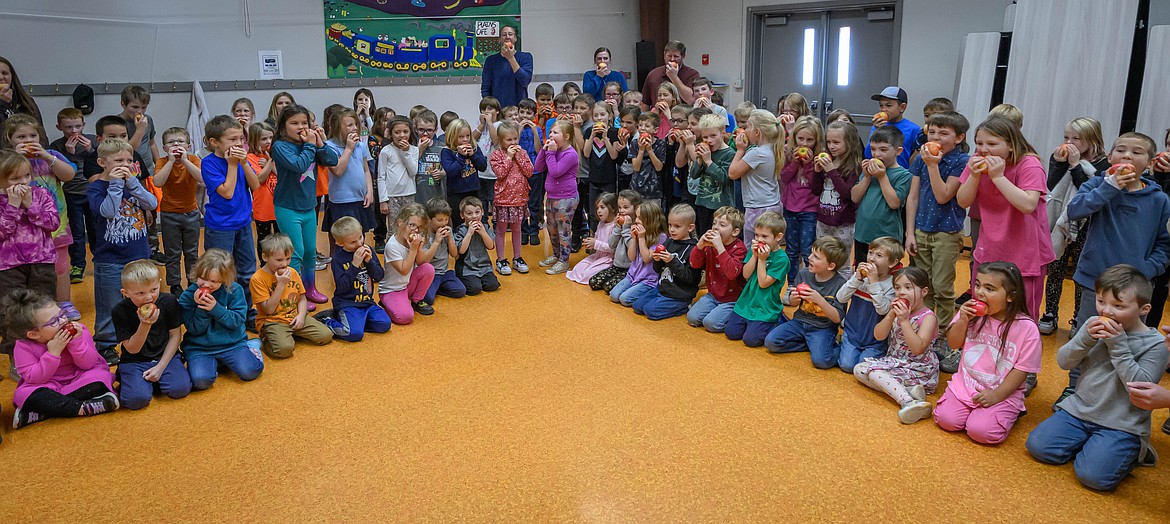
column 372, row 38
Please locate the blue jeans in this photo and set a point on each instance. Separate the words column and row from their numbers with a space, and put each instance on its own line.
column 626, row 292
column 136, row 392
column 244, row 360
column 239, row 244
column 353, row 322
column 1102, row 457
column 851, row 354
column 531, row 226
column 802, row 231
column 791, row 337
column 107, row 291
column 446, row 284
column 80, row 225
column 301, row 228
column 657, row 307
column 710, row 313
column 751, row 332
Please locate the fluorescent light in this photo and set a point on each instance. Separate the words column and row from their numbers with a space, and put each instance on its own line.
column 809, row 42
column 843, row 58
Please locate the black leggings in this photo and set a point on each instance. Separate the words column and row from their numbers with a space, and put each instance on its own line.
column 49, row 403
column 1158, row 300
column 1058, row 270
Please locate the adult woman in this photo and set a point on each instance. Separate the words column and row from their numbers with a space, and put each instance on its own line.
column 594, row 81
column 14, row 99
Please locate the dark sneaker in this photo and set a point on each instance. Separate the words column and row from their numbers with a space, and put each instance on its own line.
column 524, row 239
column 1047, row 324
column 503, row 267
column 1166, row 427
column 963, row 298
column 1068, row 392
column 534, row 239
column 949, row 362
column 380, row 248
column 422, row 308
column 23, row 418
column 76, row 275
column 520, row 265
column 1029, row 384
column 158, row 258
column 103, row 404
column 111, row 356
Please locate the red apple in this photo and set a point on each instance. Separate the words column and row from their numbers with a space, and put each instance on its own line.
column 202, row 292
column 71, row 329
column 621, row 220
column 1121, row 169
column 980, row 307
column 905, row 303
column 934, row 147
column 1066, row 149
column 1164, row 156
column 803, row 289
column 880, row 116
column 660, row 248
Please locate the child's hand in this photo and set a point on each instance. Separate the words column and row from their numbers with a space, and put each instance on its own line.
column 662, row 108
column 967, row 310
column 688, row 136
column 988, row 397
column 351, row 140
column 741, row 140
column 645, row 142
column 205, row 301
column 466, row 150
column 864, row 270
column 179, row 152
column 1125, row 178
column 787, row 121
column 995, row 166
column 900, row 309
column 151, row 317
column 283, row 276
column 443, row 232
column 599, row 129
column 763, row 250
column 319, row 137
column 662, row 256
column 153, row 374
column 237, row 154
column 298, row 322
column 15, row 194
column 57, row 344
column 703, row 151
column 872, row 168
column 637, row 230
column 550, row 145
column 415, row 240
column 1162, row 162
column 514, row 150
column 822, row 163
column 362, row 255
column 121, row 172
column 384, row 207
column 1103, row 328
column 402, row 145
column 424, row 143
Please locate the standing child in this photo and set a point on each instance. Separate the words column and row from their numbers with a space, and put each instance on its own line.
column 710, row 160
column 758, row 309
column 678, row 282
column 910, row 370
column 76, row 145
column 891, row 113
column 647, row 234
column 244, row 112
column 813, row 327
column 397, row 168
column 619, row 240
column 281, row 307
column 606, row 151
column 260, row 138
column 513, row 169
column 356, row 273
column 801, row 183
column 475, row 240
column 408, row 276
column 121, row 202
column 837, row 213
column 484, row 137
column 668, row 97
column 463, row 162
column 1160, row 173
column 431, row 180
column 602, row 256
column 986, row 395
column 148, row 325
column 559, row 160
column 627, row 124
column 759, row 160
column 649, row 160
column 532, row 137
column 351, row 188
column 869, row 292
column 214, row 311
column 61, row 373
column 178, row 176
column 720, row 253
column 440, row 245
column 141, row 132
column 881, row 192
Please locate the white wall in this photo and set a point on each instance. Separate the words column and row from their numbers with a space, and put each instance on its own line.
column 171, row 40
column 932, row 34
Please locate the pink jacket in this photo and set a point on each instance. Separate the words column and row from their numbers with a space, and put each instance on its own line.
column 26, row 235
column 511, row 178
column 79, row 364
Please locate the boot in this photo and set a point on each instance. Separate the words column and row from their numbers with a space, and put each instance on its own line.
column 315, row 296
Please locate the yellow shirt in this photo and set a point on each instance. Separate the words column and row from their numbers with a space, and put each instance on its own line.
column 263, row 284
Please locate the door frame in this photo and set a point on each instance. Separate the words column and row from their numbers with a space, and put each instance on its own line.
column 755, row 23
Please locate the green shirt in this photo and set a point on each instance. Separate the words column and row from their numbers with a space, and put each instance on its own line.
column 709, row 183
column 874, row 216
column 763, row 304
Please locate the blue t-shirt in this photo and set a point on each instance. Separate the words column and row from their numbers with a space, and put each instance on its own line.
column 221, row 214
column 931, row 217
column 350, row 187
column 910, row 138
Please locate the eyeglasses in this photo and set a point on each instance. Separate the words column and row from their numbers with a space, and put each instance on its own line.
column 678, row 120
column 57, row 320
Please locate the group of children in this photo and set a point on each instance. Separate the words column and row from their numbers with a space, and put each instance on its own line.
column 764, row 211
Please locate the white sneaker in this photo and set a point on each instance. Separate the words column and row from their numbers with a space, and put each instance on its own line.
column 914, row 411
column 918, row 392
column 558, row 268
column 548, row 262
column 503, row 267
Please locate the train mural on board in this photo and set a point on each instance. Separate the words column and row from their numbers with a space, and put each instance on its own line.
column 439, row 52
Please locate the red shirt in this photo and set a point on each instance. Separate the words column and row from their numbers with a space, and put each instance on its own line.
column 724, row 271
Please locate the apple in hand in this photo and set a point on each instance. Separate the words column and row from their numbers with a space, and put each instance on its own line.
column 660, row 248
column 863, row 272
column 881, row 117
column 802, row 154
column 933, row 147
column 70, row 328
column 1121, row 169
column 803, row 289
column 980, row 307
column 905, row 303
column 979, row 166
column 202, row 292
column 146, row 310
column 825, row 156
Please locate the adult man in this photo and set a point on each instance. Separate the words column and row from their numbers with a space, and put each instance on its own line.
column 506, row 74
column 674, row 71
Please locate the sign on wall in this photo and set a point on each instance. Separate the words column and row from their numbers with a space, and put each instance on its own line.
column 369, row 38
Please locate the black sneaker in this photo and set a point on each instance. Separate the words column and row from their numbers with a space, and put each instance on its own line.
column 158, row 258
column 1068, row 392
column 1029, row 384
column 422, row 308
column 524, row 239
column 575, row 245
column 963, row 298
column 1166, row 427
column 534, row 239
column 76, row 275
column 103, row 404
column 380, row 248
column 23, row 418
column 111, row 356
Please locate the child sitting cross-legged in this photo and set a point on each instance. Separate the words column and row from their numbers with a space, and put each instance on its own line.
column 814, row 325
column 282, row 308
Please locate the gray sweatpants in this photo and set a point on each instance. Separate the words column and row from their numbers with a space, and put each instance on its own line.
column 180, row 235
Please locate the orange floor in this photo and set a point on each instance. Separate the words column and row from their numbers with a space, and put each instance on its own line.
column 545, row 402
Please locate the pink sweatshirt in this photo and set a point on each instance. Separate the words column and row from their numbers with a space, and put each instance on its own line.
column 79, row 364
column 26, row 235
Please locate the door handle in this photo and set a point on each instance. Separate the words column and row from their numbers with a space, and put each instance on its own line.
column 813, row 105
column 829, row 105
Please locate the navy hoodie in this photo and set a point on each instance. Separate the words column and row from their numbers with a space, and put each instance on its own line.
column 1124, row 228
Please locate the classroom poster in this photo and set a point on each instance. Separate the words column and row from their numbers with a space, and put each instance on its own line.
column 371, row 38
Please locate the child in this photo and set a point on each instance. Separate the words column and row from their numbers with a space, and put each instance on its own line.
column 1098, row 425
column 678, row 282
column 440, row 245
column 891, row 108
column 531, row 138
column 119, row 230
column 582, row 118
column 758, row 308
column 148, row 324
column 647, row 234
column 837, row 213
column 934, row 219
column 678, row 157
column 485, row 139
column 649, row 160
column 559, row 160
column 633, row 98
column 619, row 240
column 790, row 108
column 140, row 125
column 869, row 292
column 707, row 179
column 356, row 272
column 430, row 181
column 214, row 311
column 934, row 105
column 720, row 253
column 881, row 192
column 296, row 152
column 668, row 97
column 76, row 145
column 602, row 252
column 244, row 111
column 627, row 128
column 758, row 166
column 704, row 91
column 61, row 373
column 281, row 307
column 910, row 370
column 546, row 109
column 814, row 324
column 986, row 394
column 260, row 137
column 463, row 162
column 351, row 187
column 397, row 169
column 230, row 181
column 1160, row 172
column 280, row 102
column 801, row 183
column 48, row 169
column 1011, row 204
column 179, row 177
column 364, row 106
column 606, row 152
column 475, row 240
column 513, row 168
column 408, row 277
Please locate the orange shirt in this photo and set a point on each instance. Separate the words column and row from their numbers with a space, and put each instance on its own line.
column 262, row 208
column 263, row 284
column 178, row 194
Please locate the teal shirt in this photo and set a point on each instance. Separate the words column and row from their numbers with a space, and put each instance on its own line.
column 874, row 216
column 709, row 183
column 760, row 304
column 222, row 328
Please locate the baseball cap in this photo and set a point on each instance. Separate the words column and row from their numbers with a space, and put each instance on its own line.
column 892, row 92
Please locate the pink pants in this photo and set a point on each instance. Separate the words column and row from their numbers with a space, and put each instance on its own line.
column 1033, row 289
column 984, row 425
column 398, row 303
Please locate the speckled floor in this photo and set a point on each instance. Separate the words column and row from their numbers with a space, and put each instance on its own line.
column 545, row 402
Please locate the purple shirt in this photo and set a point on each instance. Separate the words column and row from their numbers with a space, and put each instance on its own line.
column 561, row 167
column 26, row 234
column 643, row 272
